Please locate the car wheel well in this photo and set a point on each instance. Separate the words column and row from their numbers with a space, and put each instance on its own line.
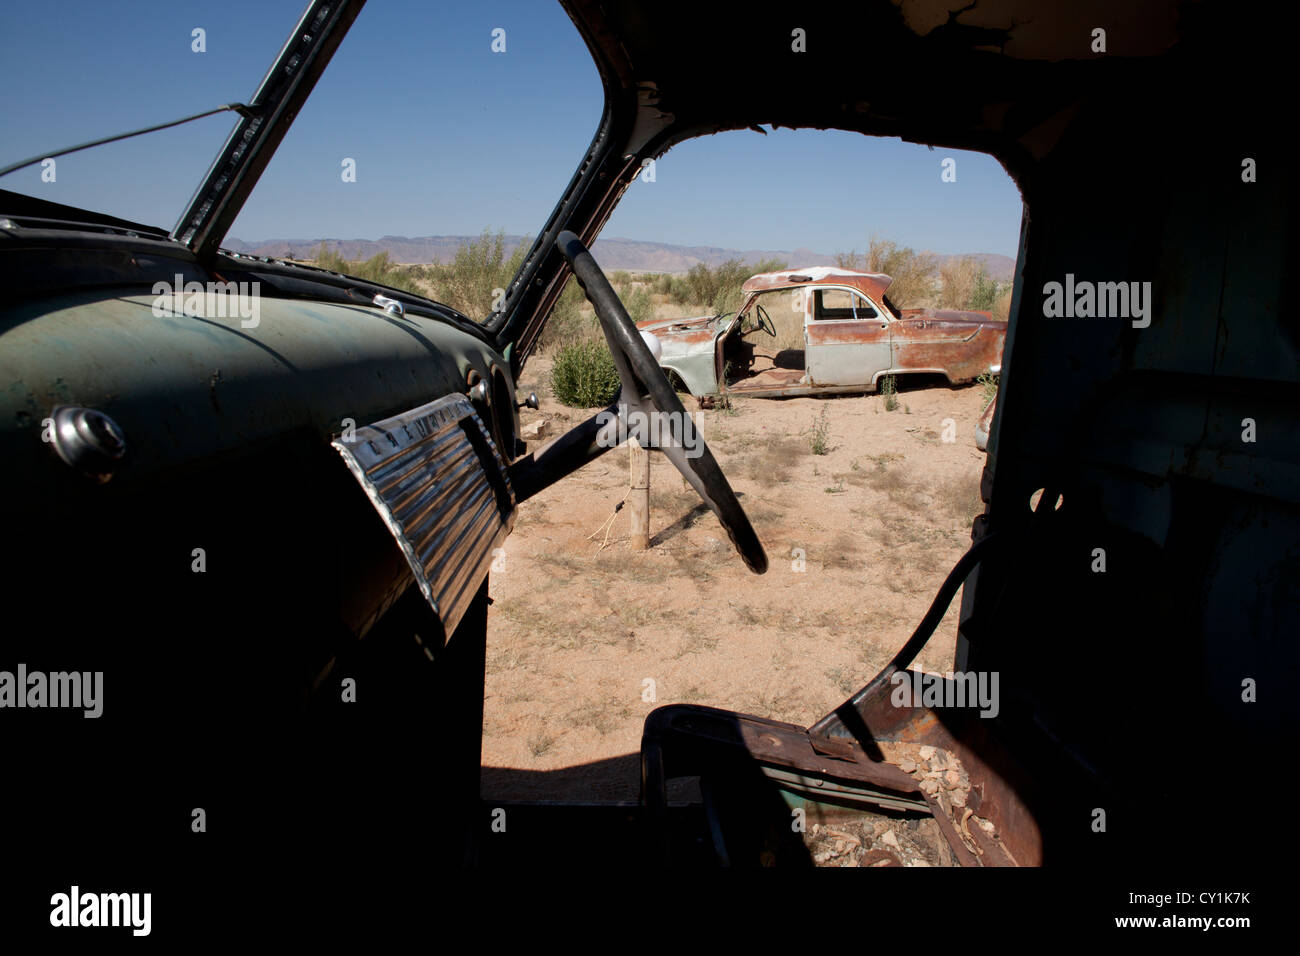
column 910, row 381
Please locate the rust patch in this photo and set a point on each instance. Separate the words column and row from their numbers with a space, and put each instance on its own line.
column 997, row 783
column 961, row 348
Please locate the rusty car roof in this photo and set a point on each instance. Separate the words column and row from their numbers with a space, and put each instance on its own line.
column 873, row 284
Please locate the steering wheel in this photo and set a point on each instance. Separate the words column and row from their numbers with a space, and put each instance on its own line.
column 646, row 390
column 765, row 321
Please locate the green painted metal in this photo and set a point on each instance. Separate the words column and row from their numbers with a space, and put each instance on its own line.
column 186, row 388
column 691, row 356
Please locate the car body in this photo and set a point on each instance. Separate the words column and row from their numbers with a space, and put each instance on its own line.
column 853, row 336
column 191, row 513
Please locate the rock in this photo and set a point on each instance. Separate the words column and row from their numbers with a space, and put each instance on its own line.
column 958, row 798
column 907, row 766
column 533, row 430
column 926, row 752
column 889, row 839
column 952, row 778
column 847, row 840
column 930, row 785
column 985, row 825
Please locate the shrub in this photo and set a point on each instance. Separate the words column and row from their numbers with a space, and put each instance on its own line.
column 584, row 375
column 821, row 434
column 717, row 289
column 912, row 272
column 636, row 299
column 469, row 283
column 571, row 321
column 958, row 281
column 662, row 284
column 767, row 265
column 986, row 292
column 988, row 383
column 889, row 389
column 1002, row 304
column 376, row 269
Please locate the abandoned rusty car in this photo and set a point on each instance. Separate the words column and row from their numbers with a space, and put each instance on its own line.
column 852, row 337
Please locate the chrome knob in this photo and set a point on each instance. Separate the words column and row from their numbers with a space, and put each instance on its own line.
column 88, row 441
column 391, row 306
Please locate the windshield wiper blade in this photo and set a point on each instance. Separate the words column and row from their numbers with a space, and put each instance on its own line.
column 239, row 108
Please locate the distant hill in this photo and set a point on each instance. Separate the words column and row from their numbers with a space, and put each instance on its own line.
column 633, row 255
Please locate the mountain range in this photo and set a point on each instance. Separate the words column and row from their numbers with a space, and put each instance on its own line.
column 634, row 255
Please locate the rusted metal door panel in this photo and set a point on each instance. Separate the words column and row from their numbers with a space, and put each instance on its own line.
column 955, row 343
column 844, row 351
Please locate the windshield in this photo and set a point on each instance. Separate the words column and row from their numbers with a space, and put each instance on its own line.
column 434, row 123
column 122, row 68
column 436, row 133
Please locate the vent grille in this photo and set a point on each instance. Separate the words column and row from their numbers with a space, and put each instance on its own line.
column 438, row 480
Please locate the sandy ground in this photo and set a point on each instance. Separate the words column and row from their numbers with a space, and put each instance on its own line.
column 585, row 640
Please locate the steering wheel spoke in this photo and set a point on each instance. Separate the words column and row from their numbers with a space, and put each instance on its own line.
column 647, row 394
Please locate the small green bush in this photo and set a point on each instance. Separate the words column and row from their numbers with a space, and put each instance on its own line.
column 889, row 389
column 475, row 280
column 717, row 289
column 986, row 292
column 988, row 383
column 584, row 375
column 821, row 431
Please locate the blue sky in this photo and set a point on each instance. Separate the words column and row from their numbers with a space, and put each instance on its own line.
column 449, row 137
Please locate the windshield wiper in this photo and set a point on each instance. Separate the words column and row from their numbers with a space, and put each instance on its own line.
column 239, row 108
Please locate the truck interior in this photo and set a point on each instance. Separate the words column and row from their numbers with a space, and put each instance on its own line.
column 1134, row 579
